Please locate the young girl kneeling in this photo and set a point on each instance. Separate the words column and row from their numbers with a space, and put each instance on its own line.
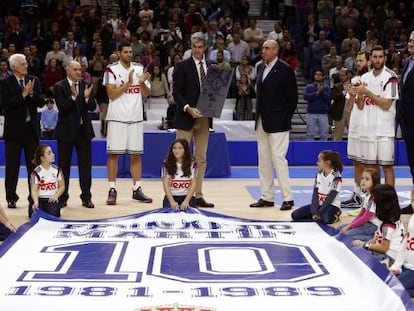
column 179, row 172
column 326, row 203
column 47, row 183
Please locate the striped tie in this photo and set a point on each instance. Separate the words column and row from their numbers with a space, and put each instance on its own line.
column 202, row 72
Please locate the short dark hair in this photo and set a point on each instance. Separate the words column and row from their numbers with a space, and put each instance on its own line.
column 123, row 44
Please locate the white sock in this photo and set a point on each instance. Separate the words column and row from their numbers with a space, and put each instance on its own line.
column 357, row 189
column 112, row 185
column 137, row 184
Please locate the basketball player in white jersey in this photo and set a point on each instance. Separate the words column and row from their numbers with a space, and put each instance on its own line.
column 353, row 147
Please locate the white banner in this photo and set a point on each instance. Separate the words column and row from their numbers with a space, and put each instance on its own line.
column 192, row 261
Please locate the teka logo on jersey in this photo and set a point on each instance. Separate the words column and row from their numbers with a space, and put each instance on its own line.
column 175, row 307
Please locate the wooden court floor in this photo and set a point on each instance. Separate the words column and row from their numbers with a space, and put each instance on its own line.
column 230, row 196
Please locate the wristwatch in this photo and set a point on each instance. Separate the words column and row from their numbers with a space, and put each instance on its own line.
column 367, row 245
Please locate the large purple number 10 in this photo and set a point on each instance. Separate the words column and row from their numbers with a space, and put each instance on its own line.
column 92, row 261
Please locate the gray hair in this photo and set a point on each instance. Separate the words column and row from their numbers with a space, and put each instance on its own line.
column 197, row 37
column 13, row 59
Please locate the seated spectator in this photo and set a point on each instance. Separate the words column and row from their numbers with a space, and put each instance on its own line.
column 288, row 54
column 123, row 31
column 4, row 70
column 150, row 60
column 277, row 33
column 48, row 119
column 53, row 74
column 220, row 62
column 56, row 53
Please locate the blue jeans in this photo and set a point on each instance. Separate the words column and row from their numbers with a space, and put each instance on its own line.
column 304, row 213
column 317, row 120
column 363, row 233
column 407, row 280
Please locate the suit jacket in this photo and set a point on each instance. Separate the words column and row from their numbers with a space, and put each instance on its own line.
column 405, row 106
column 67, row 125
column 276, row 97
column 186, row 91
column 15, row 107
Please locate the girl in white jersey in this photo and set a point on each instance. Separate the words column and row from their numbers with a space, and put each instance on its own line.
column 325, row 206
column 364, row 225
column 403, row 266
column 179, row 172
column 389, row 236
column 47, row 183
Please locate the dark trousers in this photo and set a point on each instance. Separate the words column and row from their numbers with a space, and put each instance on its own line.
column 304, row 213
column 48, row 135
column 4, row 232
column 409, row 146
column 13, row 150
column 179, row 199
column 83, row 153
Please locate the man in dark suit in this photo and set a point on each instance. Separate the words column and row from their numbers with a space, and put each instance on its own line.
column 405, row 113
column 189, row 121
column 276, row 101
column 74, row 129
column 20, row 97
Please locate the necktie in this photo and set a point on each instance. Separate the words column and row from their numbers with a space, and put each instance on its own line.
column 77, row 102
column 28, row 118
column 202, row 72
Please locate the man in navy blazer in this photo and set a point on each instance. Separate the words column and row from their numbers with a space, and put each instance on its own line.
column 276, row 100
column 20, row 96
column 74, row 129
column 189, row 121
column 405, row 113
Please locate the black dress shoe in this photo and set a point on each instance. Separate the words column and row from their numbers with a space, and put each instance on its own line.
column 64, row 203
column 11, row 204
column 88, row 204
column 200, row 202
column 262, row 203
column 287, row 205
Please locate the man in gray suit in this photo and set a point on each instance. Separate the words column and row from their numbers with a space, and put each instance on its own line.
column 276, row 102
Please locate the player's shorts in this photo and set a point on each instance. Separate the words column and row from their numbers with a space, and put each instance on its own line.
column 125, row 138
column 354, row 149
column 380, row 151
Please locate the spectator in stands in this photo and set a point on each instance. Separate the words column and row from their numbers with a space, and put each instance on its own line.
column 146, row 25
column 138, row 48
column 350, row 61
column 369, row 42
column 391, row 24
column 334, row 72
column 48, row 119
column 17, row 37
column 349, row 43
column 220, row 61
column 55, row 53
column 170, row 70
column 159, row 84
column 53, row 74
column 98, row 63
column 245, row 68
column 393, row 58
column 227, row 27
column 146, row 11
column 33, row 62
column 219, row 46
column 237, row 48
column 318, row 96
column 241, row 11
column 114, row 21
column 320, row 48
column 349, row 15
column 4, row 70
column 330, row 30
column 310, row 33
column 330, row 60
column 193, row 18
column 213, row 34
column 276, row 34
column 273, row 122
column 289, row 55
column 338, row 113
column 69, row 45
column 253, row 36
column 150, row 60
column 324, row 10
column 162, row 13
column 244, row 105
column 123, row 31
column 53, row 35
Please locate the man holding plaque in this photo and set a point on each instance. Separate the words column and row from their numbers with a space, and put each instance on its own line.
column 188, row 77
column 276, row 100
